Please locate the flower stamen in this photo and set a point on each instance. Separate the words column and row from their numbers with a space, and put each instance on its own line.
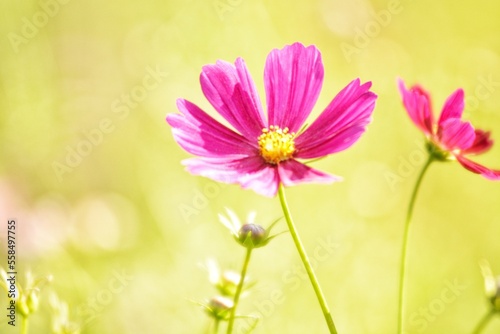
column 276, row 144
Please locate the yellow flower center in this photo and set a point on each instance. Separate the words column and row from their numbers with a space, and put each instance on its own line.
column 276, row 144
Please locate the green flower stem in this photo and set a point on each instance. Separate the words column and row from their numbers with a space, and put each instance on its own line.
column 305, row 261
column 484, row 321
column 24, row 325
column 402, row 271
column 238, row 290
column 216, row 326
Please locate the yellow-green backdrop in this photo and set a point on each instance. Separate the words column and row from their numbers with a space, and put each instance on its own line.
column 92, row 175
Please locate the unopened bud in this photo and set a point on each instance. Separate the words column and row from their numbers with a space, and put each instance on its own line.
column 32, row 301
column 495, row 299
column 228, row 282
column 252, row 235
column 219, row 307
column 22, row 306
column 491, row 285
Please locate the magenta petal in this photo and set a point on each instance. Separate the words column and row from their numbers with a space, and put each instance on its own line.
column 453, row 107
column 474, row 167
column 231, row 91
column 201, row 135
column 417, row 103
column 293, row 77
column 249, row 172
column 251, row 96
column 264, row 182
column 338, row 142
column 482, row 143
column 456, row 134
column 340, row 125
column 292, row 172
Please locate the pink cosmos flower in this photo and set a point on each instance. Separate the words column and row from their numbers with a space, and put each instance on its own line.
column 260, row 152
column 450, row 137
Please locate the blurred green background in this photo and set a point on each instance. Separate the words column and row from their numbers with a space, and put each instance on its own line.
column 93, row 177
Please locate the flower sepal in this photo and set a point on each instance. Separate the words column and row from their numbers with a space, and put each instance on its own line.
column 437, row 153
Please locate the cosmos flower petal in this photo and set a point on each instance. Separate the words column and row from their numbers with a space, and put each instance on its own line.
column 292, row 172
column 201, row 135
column 248, row 172
column 338, row 142
column 231, row 91
column 341, row 112
column 202, row 143
column 251, row 96
column 340, row 125
column 453, row 107
column 482, row 143
column 221, row 169
column 490, row 174
column 456, row 134
column 417, row 103
column 264, row 182
column 293, row 78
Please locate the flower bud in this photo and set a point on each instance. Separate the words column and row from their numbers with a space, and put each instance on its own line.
column 219, row 307
column 32, row 300
column 22, row 307
column 228, row 282
column 249, row 235
column 252, row 235
column 491, row 284
column 495, row 299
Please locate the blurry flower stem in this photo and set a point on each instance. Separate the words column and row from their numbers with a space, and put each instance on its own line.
column 305, row 261
column 238, row 290
column 216, row 326
column 484, row 321
column 402, row 271
column 24, row 325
